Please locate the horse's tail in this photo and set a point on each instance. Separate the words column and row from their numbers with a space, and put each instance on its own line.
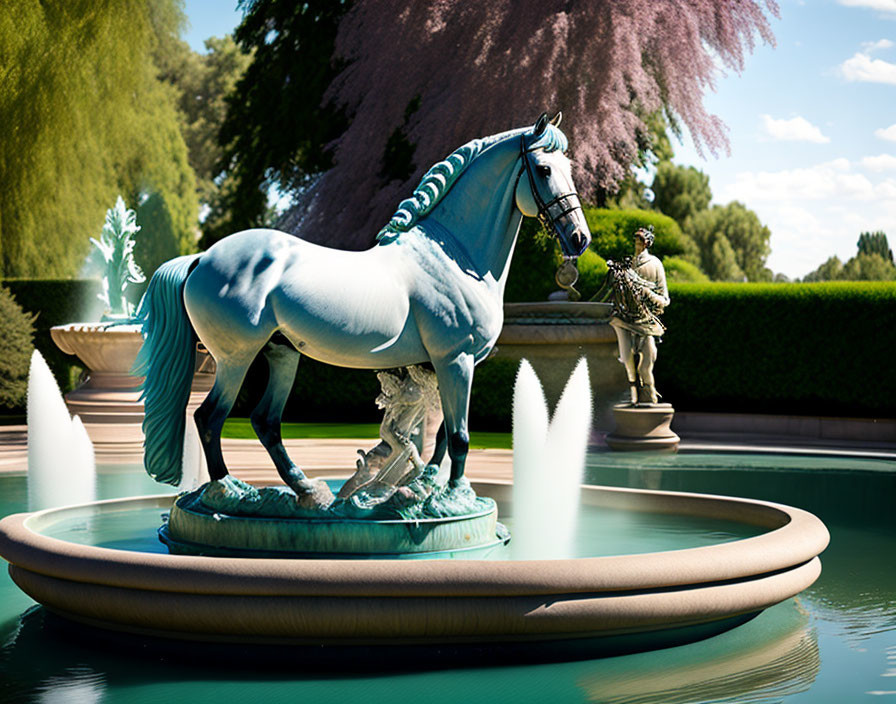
column 167, row 360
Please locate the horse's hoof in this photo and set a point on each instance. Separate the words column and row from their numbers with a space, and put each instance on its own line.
column 298, row 482
column 304, row 486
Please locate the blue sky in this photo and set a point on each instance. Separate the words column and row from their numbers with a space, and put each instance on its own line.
column 209, row 18
column 812, row 126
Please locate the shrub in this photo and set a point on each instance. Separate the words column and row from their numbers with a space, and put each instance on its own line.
column 321, row 393
column 592, row 271
column 533, row 265
column 612, row 231
column 57, row 302
column 16, row 335
column 681, row 271
column 535, row 261
column 491, row 398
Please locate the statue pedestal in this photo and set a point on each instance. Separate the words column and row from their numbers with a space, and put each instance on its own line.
column 643, row 427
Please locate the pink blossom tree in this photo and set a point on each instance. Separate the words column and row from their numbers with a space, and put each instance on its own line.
column 447, row 71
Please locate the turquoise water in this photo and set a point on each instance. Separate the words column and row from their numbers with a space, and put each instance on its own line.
column 835, row 643
column 600, row 532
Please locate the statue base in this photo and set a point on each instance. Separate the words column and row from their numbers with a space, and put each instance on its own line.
column 287, row 527
column 643, row 427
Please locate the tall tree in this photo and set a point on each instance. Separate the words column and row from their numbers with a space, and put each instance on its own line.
column 278, row 126
column 680, row 191
column 732, row 242
column 83, row 117
column 202, row 83
column 476, row 69
column 867, row 265
column 831, row 270
column 721, row 261
column 654, row 147
column 875, row 243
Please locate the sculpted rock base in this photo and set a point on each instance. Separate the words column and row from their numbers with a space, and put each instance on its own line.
column 234, row 519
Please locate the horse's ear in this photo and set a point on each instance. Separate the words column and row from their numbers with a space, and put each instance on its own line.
column 540, row 124
column 555, row 120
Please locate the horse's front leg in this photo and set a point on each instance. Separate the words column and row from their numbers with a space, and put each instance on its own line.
column 455, row 376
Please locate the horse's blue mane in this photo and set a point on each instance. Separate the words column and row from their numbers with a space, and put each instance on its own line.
column 438, row 180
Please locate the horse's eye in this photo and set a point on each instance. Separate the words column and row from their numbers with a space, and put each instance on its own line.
column 544, row 171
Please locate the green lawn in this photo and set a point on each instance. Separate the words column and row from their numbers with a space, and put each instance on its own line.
column 240, row 428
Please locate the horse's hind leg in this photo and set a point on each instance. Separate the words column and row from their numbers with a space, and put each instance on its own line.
column 282, row 361
column 213, row 411
column 455, row 377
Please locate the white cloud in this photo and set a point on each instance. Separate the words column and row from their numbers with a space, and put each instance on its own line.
column 862, row 67
column 878, row 45
column 798, row 129
column 881, row 162
column 832, row 179
column 888, row 134
column 880, row 5
column 816, row 211
column 886, row 191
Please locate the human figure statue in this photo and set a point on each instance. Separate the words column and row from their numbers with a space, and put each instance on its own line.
column 409, row 397
column 637, row 286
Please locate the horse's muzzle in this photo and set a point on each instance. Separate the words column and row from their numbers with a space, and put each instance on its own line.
column 574, row 243
column 580, row 241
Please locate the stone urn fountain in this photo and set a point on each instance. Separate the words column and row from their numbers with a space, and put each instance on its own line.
column 108, row 399
column 552, row 336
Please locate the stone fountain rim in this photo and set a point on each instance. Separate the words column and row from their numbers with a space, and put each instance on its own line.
column 104, row 326
column 66, row 337
column 383, row 602
column 795, row 538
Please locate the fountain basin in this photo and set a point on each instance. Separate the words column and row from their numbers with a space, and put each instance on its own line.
column 656, row 597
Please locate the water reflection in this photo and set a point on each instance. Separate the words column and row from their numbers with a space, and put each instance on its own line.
column 856, row 594
column 750, row 665
column 774, row 655
column 77, row 685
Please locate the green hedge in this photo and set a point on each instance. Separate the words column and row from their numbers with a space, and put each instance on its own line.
column 806, row 349
column 320, row 393
column 682, row 271
column 323, row 393
column 534, row 263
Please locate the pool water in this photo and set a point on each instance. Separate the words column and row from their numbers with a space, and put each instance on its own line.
column 836, row 642
column 601, row 532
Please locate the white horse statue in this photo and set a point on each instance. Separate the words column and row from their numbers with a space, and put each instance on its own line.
column 430, row 290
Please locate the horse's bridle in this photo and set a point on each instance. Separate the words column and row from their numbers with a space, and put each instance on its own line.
column 549, row 213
